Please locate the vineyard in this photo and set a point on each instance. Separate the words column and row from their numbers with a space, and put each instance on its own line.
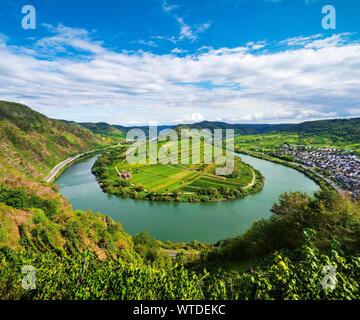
column 174, row 182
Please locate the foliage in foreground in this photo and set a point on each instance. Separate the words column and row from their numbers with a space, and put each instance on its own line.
column 84, row 276
column 86, row 256
column 333, row 217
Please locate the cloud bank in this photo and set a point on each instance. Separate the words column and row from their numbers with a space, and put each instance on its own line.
column 68, row 75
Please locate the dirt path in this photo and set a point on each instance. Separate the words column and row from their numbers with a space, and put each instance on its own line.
column 250, row 184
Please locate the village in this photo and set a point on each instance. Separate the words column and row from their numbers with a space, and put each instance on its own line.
column 342, row 167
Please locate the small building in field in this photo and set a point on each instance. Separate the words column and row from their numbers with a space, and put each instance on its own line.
column 125, row 175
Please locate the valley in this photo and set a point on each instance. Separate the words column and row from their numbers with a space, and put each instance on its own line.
column 54, row 225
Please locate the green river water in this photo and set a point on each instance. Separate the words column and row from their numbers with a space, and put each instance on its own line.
column 206, row 222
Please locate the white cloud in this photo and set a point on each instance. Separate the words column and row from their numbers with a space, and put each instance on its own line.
column 334, row 40
column 148, row 43
column 168, row 7
column 190, row 118
column 203, row 27
column 301, row 40
column 63, row 38
column 319, row 79
column 186, row 32
column 178, row 51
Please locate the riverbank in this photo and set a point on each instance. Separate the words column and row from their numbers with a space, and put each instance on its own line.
column 60, row 167
column 184, row 222
column 174, row 183
column 320, row 180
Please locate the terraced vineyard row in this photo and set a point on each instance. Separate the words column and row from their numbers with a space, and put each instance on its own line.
column 172, row 182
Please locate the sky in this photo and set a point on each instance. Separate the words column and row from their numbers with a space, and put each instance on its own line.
column 171, row 61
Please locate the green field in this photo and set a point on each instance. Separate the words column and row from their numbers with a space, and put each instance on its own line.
column 170, row 178
column 195, row 180
column 269, row 142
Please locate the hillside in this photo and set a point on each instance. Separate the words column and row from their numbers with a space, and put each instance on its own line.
column 82, row 255
column 31, row 143
column 346, row 129
column 33, row 215
column 103, row 128
column 239, row 128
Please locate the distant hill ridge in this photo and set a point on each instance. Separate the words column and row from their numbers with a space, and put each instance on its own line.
column 346, row 128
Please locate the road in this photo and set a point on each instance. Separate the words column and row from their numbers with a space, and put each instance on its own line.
column 329, row 181
column 55, row 171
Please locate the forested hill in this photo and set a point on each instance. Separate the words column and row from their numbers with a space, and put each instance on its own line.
column 31, row 143
column 239, row 128
column 103, row 128
column 348, row 129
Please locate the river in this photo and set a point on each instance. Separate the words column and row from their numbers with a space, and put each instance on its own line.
column 206, row 222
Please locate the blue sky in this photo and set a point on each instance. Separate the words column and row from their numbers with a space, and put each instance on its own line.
column 129, row 62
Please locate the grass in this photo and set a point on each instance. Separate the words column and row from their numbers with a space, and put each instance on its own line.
column 189, row 179
column 267, row 142
column 177, row 177
column 169, row 178
column 157, row 177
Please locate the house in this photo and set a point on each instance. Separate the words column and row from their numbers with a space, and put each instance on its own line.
column 125, row 175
